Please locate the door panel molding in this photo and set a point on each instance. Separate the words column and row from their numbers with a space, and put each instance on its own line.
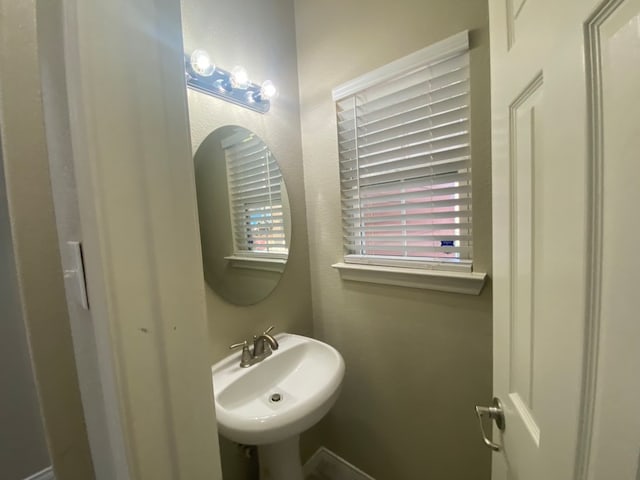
column 514, row 7
column 593, row 70
column 522, row 152
column 527, row 418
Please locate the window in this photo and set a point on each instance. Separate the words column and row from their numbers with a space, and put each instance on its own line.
column 255, row 198
column 405, row 162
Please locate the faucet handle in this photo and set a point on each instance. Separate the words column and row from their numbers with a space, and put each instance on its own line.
column 242, row 344
column 266, row 332
column 245, row 359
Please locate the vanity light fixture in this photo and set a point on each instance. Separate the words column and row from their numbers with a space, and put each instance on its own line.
column 233, row 86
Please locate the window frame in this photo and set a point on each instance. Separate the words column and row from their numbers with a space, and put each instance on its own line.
column 432, row 273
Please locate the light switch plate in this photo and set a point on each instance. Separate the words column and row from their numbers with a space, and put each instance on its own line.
column 76, row 273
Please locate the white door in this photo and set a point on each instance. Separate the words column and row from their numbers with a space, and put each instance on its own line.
column 565, row 84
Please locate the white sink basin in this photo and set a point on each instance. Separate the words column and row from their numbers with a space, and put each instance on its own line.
column 304, row 374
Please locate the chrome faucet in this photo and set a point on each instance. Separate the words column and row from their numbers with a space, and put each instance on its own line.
column 263, row 346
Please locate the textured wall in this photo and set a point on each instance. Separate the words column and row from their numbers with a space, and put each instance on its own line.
column 35, row 243
column 132, row 161
column 64, row 191
column 23, row 449
column 417, row 361
column 261, row 37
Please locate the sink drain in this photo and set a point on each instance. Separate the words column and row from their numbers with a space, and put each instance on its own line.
column 276, row 397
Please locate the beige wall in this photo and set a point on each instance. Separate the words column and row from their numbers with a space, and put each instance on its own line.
column 64, row 190
column 136, row 196
column 38, row 270
column 23, row 448
column 417, row 361
column 261, row 37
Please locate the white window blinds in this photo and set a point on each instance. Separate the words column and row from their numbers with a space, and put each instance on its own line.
column 405, row 161
column 255, row 196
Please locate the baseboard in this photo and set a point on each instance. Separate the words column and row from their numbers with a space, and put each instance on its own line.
column 326, row 465
column 46, row 474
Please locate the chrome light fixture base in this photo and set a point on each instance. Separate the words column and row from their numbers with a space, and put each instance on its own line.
column 219, row 84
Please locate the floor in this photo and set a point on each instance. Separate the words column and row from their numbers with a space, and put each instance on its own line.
column 316, row 476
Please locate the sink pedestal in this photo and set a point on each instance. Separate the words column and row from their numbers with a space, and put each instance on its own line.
column 281, row 460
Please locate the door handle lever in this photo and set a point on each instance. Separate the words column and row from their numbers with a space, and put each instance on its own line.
column 494, row 412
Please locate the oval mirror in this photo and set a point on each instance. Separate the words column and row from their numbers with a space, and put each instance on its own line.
column 245, row 222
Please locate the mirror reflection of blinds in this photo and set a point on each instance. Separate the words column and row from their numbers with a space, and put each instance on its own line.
column 405, row 165
column 255, row 196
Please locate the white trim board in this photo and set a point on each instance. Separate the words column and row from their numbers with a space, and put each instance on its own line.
column 326, row 465
column 470, row 283
column 46, row 474
column 448, row 47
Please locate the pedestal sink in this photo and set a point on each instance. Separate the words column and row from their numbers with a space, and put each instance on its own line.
column 270, row 403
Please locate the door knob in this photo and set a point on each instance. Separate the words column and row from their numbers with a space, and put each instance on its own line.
column 494, row 412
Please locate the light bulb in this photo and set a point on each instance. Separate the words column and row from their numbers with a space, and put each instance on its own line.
column 268, row 90
column 239, row 77
column 201, row 63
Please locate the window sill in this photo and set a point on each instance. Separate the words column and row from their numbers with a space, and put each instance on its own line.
column 470, row 283
column 258, row 263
